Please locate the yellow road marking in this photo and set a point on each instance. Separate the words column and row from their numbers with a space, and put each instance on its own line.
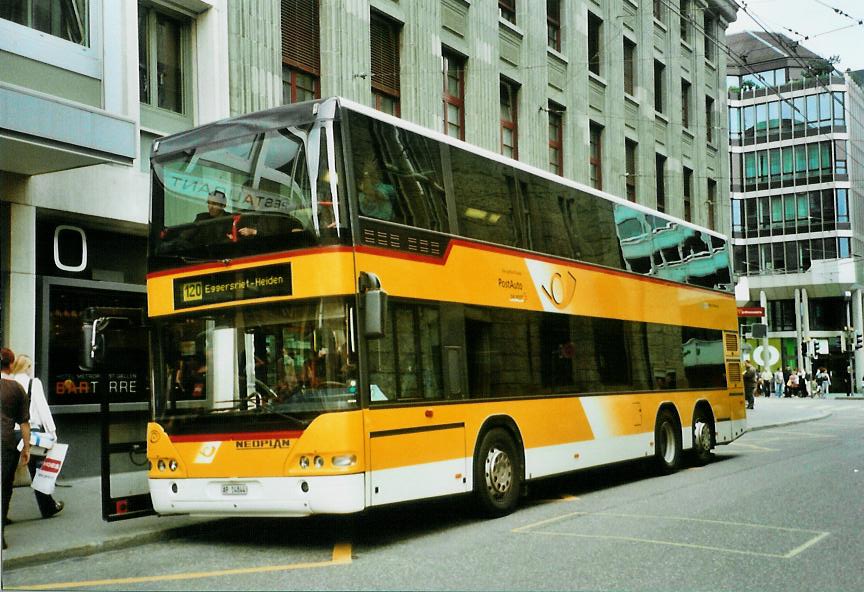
column 341, row 556
column 819, row 535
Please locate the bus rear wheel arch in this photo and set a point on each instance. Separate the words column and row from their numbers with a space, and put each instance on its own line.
column 498, row 472
column 667, row 440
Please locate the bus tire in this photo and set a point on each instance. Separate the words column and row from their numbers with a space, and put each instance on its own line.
column 667, row 442
column 703, row 436
column 497, row 474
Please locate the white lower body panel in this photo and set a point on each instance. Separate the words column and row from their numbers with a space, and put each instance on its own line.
column 270, row 496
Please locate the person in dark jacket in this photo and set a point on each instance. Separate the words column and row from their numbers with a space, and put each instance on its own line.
column 750, row 376
column 14, row 408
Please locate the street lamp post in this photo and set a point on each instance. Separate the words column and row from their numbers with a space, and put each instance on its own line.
column 849, row 340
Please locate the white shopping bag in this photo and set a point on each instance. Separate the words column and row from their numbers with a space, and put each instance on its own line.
column 46, row 475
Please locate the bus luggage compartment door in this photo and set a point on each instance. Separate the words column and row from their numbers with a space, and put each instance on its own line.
column 417, row 462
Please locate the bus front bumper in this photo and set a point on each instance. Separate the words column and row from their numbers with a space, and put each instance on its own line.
column 271, row 496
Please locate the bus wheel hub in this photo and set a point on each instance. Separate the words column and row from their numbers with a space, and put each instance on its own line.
column 499, row 471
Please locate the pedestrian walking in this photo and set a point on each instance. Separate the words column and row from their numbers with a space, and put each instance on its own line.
column 823, row 382
column 41, row 421
column 779, row 383
column 750, row 378
column 765, row 378
column 803, row 383
column 792, row 384
column 14, row 408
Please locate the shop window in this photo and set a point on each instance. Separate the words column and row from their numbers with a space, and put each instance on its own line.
column 123, row 374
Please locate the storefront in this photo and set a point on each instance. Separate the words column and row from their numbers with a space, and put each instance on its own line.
column 81, row 264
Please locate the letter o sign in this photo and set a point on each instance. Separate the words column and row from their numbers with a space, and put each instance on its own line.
column 64, row 230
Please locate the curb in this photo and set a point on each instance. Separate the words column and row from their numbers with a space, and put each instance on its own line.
column 110, row 544
column 790, row 422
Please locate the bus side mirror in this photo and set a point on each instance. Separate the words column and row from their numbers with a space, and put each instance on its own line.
column 374, row 301
column 375, row 316
column 95, row 324
column 88, row 349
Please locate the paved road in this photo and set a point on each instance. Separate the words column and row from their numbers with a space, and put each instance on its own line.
column 778, row 510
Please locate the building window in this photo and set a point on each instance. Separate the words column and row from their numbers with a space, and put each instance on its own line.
column 659, row 75
column 630, row 163
column 712, row 204
column 298, row 86
column 66, row 19
column 161, row 44
column 508, row 92
column 685, row 104
column 384, row 38
column 553, row 24
column 507, row 10
column 685, row 20
column 688, row 194
column 301, row 56
column 629, row 67
column 595, row 155
column 658, row 10
column 595, row 34
column 660, row 168
column 708, row 28
column 556, row 138
column 454, row 94
column 709, row 120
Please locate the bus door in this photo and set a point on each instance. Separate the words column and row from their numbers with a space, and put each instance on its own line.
column 116, row 353
column 417, row 446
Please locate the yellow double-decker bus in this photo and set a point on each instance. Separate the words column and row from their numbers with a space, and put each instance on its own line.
column 347, row 310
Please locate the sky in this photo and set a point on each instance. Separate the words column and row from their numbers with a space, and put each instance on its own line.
column 829, row 33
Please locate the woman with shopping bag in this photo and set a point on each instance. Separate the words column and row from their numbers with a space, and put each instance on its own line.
column 43, row 431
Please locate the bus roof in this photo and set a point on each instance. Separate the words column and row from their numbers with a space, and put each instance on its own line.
column 306, row 112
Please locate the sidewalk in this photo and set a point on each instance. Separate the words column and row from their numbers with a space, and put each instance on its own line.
column 79, row 529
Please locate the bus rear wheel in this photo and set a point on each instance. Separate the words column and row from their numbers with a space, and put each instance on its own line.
column 703, row 436
column 667, row 442
column 497, row 474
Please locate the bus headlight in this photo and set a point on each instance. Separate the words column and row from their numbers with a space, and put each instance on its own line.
column 172, row 465
column 319, row 462
column 161, row 465
column 344, row 460
column 304, row 462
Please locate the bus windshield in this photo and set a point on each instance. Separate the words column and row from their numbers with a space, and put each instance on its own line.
column 219, row 370
column 265, row 192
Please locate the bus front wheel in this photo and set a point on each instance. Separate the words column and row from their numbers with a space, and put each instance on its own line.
column 497, row 474
column 667, row 441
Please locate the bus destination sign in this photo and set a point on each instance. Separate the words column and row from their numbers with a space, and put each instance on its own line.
column 233, row 286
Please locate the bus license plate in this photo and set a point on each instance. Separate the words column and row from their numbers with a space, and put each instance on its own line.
column 234, row 489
